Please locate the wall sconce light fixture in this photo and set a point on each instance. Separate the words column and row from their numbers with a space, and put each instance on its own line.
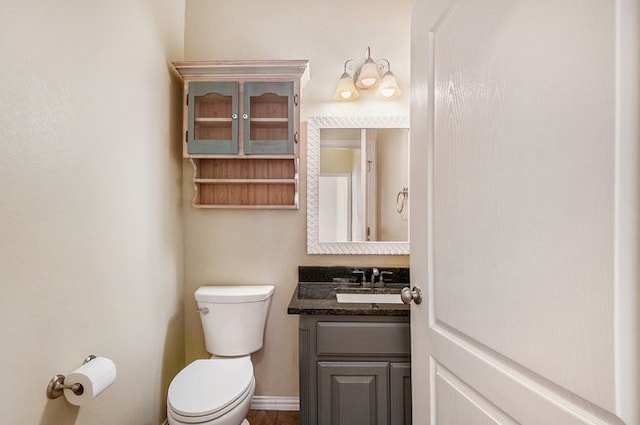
column 370, row 75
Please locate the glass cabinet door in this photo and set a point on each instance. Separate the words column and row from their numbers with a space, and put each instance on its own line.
column 213, row 118
column 268, row 118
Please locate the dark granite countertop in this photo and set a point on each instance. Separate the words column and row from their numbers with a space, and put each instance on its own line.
column 319, row 297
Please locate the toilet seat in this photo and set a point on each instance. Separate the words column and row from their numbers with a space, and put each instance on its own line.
column 208, row 389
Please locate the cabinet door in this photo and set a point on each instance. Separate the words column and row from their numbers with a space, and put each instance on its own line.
column 353, row 393
column 269, row 118
column 400, row 393
column 213, row 118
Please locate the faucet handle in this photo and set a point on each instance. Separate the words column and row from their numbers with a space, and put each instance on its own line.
column 382, row 273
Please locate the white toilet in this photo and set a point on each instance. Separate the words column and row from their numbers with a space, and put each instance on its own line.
column 218, row 391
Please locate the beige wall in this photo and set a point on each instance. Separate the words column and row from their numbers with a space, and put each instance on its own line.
column 251, row 247
column 90, row 213
column 337, row 160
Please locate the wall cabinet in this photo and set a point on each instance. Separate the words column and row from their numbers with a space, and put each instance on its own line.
column 212, row 110
column 268, row 118
column 355, row 370
column 263, row 113
column 241, row 129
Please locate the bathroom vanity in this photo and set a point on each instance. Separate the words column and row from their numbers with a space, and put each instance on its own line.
column 355, row 357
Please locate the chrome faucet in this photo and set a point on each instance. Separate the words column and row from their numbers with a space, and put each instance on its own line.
column 374, row 273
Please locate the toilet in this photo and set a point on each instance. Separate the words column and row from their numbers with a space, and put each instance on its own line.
column 219, row 390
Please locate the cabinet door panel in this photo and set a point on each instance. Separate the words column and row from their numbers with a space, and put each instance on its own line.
column 400, row 393
column 353, row 393
column 268, row 117
column 213, row 118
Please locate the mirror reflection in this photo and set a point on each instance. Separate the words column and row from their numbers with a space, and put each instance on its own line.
column 358, row 178
column 363, row 173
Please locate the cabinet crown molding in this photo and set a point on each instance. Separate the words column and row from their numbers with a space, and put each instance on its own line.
column 242, row 69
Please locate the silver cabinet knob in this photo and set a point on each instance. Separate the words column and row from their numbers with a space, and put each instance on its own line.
column 407, row 295
column 234, row 116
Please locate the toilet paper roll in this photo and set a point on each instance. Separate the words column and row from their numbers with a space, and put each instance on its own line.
column 94, row 376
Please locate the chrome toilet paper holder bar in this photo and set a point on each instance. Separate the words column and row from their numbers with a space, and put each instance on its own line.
column 57, row 384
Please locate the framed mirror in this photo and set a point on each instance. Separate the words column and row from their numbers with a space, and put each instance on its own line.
column 358, row 185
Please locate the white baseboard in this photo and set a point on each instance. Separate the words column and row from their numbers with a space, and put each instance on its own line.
column 261, row 402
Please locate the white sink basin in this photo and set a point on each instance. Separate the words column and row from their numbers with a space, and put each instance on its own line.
column 369, row 298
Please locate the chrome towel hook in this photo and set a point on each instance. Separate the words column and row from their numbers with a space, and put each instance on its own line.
column 401, row 199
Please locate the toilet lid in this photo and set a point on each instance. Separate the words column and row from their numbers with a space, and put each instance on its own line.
column 207, row 386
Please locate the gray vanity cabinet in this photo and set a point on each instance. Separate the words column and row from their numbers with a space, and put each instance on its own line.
column 352, row 392
column 400, row 398
column 355, row 370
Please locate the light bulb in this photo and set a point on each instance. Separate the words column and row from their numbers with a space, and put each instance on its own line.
column 368, row 82
column 389, row 87
column 369, row 75
column 388, row 92
column 346, row 90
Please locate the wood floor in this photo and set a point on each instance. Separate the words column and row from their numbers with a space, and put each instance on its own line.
column 273, row 417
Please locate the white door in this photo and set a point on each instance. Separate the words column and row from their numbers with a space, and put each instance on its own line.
column 524, row 240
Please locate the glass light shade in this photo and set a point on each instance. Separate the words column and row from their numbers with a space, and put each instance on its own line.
column 389, row 87
column 346, row 90
column 369, row 75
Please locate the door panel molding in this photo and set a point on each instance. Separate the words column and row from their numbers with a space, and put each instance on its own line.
column 538, row 399
column 445, row 381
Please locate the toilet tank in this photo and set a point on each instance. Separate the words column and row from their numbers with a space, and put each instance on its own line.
column 234, row 317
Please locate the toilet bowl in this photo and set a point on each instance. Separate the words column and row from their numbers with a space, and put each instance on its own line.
column 212, row 392
column 219, row 390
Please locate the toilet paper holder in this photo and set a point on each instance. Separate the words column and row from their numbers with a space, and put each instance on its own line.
column 57, row 384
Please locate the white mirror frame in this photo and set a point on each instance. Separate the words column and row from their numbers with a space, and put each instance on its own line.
column 314, row 246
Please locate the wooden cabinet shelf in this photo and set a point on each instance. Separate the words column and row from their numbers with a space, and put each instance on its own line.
column 241, row 127
column 224, row 121
column 245, row 182
column 269, row 120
